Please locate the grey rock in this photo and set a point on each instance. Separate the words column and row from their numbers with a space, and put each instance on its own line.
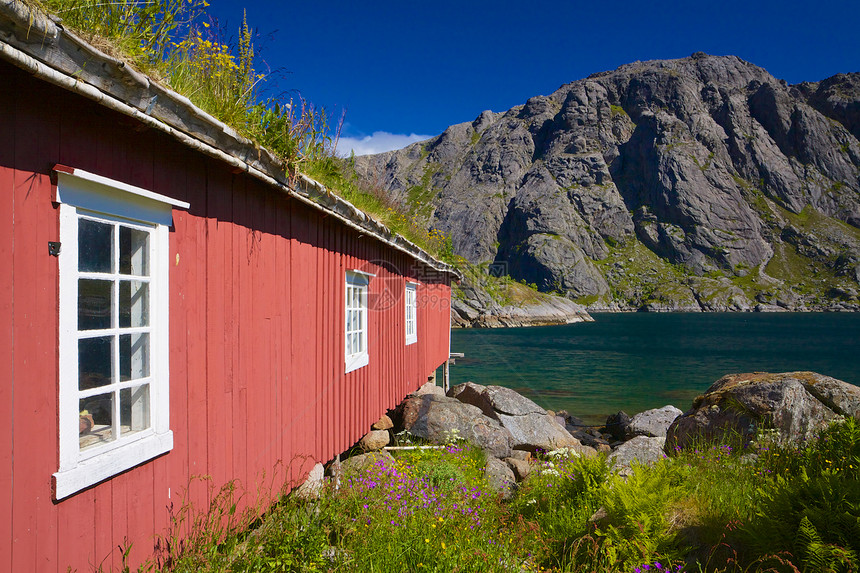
column 429, row 388
column 521, row 468
column 494, row 400
column 618, row 425
column 614, row 184
column 588, row 439
column 500, row 477
column 640, row 450
column 374, row 440
column 529, row 425
column 654, row 423
column 383, row 423
column 439, row 418
column 363, row 462
column 534, row 432
column 794, row 405
column 521, row 455
column 313, row 484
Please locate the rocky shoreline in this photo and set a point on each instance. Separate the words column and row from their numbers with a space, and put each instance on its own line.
column 747, row 410
column 473, row 306
column 476, row 309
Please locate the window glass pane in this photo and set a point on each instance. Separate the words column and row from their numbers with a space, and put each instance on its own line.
column 133, row 252
column 96, row 420
column 349, row 350
column 133, row 356
column 133, row 304
column 95, row 246
column 94, row 304
column 95, row 357
column 133, row 409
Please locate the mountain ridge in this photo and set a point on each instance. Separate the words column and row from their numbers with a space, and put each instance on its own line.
column 701, row 183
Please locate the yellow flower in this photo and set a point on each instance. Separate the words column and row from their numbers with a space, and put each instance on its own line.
column 426, row 540
column 443, row 545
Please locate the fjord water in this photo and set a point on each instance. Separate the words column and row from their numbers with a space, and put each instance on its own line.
column 637, row 361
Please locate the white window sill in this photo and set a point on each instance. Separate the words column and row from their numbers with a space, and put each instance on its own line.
column 356, row 362
column 93, row 470
column 411, row 339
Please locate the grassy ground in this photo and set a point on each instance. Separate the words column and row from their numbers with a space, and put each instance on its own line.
column 714, row 508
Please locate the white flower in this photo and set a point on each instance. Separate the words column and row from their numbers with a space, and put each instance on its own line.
column 563, row 453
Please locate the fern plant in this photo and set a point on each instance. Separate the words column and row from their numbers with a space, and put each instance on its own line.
column 638, row 525
column 816, row 518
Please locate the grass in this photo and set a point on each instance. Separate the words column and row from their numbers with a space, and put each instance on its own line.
column 709, row 508
column 178, row 43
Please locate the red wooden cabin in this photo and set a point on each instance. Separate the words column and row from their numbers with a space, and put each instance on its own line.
column 174, row 308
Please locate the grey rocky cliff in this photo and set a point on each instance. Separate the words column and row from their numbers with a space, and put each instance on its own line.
column 702, row 183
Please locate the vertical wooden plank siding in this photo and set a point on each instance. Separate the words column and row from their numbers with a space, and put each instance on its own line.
column 258, row 389
column 34, row 521
column 7, row 411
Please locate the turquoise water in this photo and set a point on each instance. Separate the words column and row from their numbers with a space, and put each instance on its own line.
column 637, row 361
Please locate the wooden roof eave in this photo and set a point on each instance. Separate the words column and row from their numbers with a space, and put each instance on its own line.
column 38, row 44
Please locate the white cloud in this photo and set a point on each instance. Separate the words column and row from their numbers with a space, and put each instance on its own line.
column 377, row 143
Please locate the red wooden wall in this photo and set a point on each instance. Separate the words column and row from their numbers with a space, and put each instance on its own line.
column 257, row 383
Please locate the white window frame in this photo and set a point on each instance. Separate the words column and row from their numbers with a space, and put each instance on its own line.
column 410, row 299
column 356, row 353
column 84, row 195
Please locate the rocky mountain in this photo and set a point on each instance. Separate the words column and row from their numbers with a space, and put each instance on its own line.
column 702, row 183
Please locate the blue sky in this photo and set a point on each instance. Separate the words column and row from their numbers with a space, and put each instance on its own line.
column 412, row 68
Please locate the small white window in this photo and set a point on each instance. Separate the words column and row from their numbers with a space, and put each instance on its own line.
column 356, row 320
column 411, row 313
column 113, row 340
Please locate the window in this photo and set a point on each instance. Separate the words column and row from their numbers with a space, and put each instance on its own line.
column 356, row 320
column 411, row 313
column 113, row 343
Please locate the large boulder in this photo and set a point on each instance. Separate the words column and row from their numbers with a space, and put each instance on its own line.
column 495, row 399
column 653, row 423
column 534, row 432
column 640, row 450
column 795, row 406
column 530, row 426
column 438, row 419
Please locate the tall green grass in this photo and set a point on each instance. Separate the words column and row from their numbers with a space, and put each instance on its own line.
column 712, row 508
column 177, row 42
